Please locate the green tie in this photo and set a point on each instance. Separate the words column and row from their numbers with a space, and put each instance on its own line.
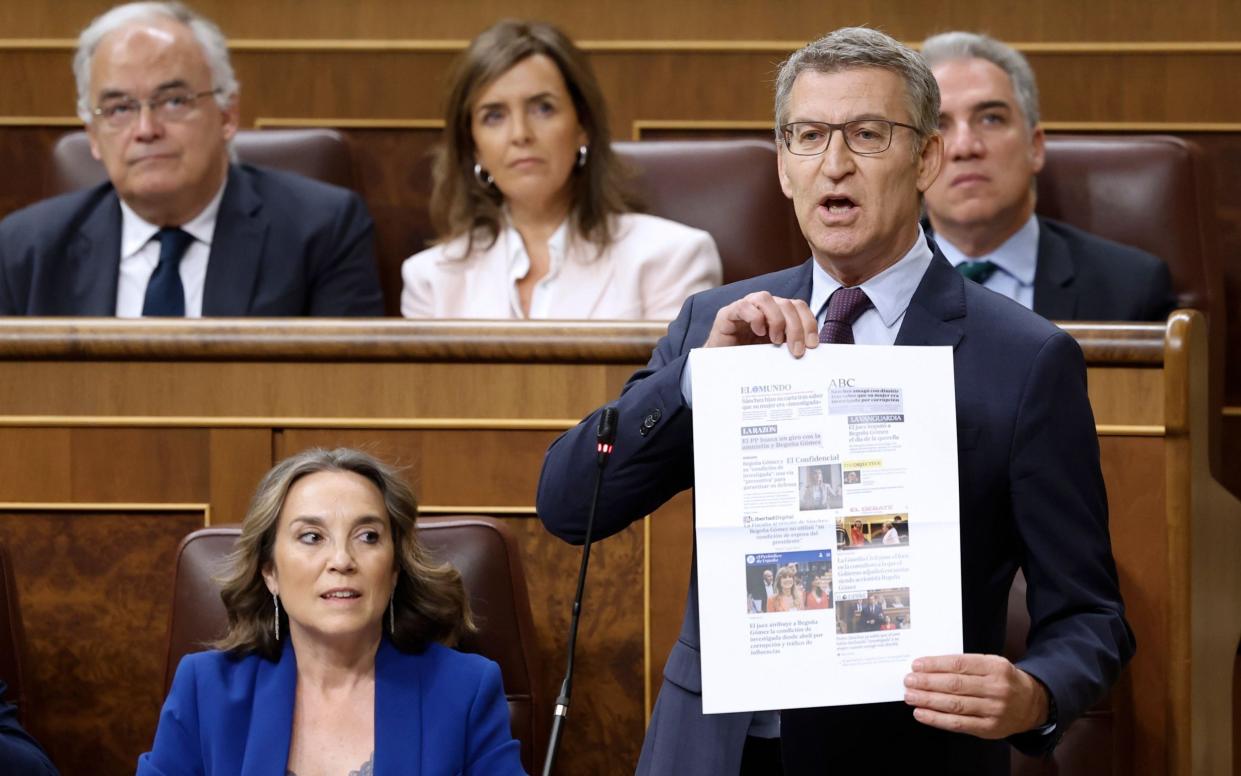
column 977, row 271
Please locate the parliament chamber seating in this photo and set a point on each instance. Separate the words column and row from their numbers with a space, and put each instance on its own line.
column 728, row 188
column 1149, row 191
column 12, row 647
column 322, row 154
column 481, row 548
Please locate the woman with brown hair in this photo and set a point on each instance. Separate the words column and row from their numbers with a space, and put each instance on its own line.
column 334, row 660
column 529, row 201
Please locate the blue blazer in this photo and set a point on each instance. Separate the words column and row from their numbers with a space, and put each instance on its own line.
column 439, row 713
column 284, row 246
column 1032, row 497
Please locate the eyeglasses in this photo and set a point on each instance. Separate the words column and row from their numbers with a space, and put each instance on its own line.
column 863, row 136
column 174, row 105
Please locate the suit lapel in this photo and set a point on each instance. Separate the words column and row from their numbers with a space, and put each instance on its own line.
column 1054, row 296
column 95, row 260
column 398, row 711
column 236, row 249
column 584, row 276
column 271, row 720
column 796, row 285
column 937, row 303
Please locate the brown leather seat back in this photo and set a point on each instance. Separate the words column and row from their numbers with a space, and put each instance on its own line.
column 483, row 551
column 728, row 188
column 12, row 641
column 1148, row 191
column 1086, row 748
column 322, row 154
column 486, row 554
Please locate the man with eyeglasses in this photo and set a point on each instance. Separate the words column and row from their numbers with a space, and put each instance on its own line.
column 179, row 230
column 981, row 206
column 856, row 114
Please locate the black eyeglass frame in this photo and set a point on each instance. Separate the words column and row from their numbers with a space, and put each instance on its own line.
column 785, row 131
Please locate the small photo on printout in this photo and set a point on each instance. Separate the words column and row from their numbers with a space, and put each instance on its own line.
column 788, row 581
column 818, row 487
column 857, row 532
column 873, row 610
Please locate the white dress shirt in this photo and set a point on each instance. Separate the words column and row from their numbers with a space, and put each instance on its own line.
column 1015, row 260
column 140, row 257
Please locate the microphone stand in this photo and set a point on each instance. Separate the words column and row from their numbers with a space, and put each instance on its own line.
column 605, row 437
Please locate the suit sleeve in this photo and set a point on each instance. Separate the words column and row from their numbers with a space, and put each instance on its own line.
column 416, row 288
column 653, row 458
column 9, row 304
column 1079, row 640
column 177, row 750
column 20, row 754
column 1160, row 299
column 690, row 266
column 346, row 281
column 491, row 748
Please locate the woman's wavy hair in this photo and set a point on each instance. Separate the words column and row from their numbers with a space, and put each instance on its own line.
column 430, row 600
column 460, row 204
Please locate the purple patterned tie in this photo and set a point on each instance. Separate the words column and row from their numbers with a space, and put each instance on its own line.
column 844, row 307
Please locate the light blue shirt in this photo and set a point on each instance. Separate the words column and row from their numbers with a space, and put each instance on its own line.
column 890, row 292
column 1015, row 261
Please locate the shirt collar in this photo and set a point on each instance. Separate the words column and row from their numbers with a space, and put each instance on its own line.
column 519, row 260
column 1017, row 256
column 890, row 291
column 136, row 231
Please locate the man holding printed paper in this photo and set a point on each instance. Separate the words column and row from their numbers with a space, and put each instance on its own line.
column 856, row 116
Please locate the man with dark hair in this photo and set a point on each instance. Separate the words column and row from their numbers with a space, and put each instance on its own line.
column 856, row 118
column 981, row 207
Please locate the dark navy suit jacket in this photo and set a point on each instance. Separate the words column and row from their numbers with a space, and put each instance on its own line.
column 1032, row 496
column 1083, row 277
column 1080, row 276
column 284, row 245
column 439, row 713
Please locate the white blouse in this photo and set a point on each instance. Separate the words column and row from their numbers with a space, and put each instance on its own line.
column 650, row 268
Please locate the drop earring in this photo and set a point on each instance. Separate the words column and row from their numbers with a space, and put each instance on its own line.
column 582, row 153
column 482, row 176
column 275, row 623
column 392, row 614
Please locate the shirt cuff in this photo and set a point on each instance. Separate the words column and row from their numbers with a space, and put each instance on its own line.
column 685, row 386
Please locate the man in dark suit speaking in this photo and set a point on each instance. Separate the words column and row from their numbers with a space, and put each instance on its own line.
column 178, row 230
column 982, row 205
column 856, row 114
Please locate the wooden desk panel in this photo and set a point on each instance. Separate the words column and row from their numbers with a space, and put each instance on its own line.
column 93, row 587
column 114, row 412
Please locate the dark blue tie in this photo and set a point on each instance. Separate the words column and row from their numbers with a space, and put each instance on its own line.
column 165, row 294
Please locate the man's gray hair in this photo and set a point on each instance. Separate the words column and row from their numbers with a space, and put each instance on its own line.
column 970, row 45
column 208, row 35
column 854, row 47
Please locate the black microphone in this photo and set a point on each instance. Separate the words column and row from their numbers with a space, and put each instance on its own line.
column 605, row 439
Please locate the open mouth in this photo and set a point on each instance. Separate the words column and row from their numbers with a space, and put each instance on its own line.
column 838, row 205
column 336, row 595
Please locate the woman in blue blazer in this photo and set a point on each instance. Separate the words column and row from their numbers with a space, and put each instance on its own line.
column 334, row 660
